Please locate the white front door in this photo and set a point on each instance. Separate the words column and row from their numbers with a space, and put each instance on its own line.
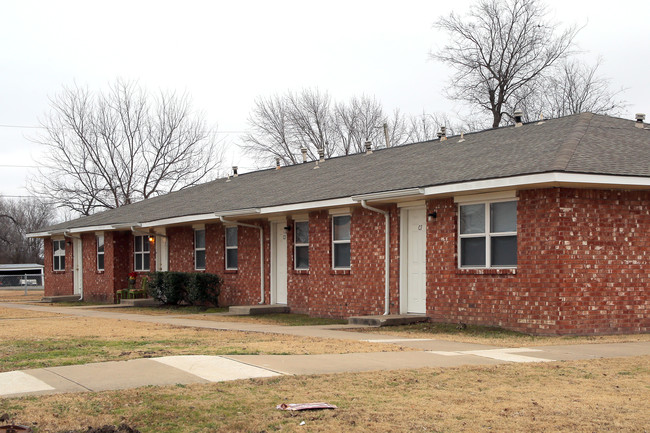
column 413, row 293
column 77, row 266
column 279, row 263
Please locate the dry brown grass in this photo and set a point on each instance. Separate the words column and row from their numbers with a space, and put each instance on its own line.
column 577, row 396
column 13, row 313
column 61, row 340
column 19, row 295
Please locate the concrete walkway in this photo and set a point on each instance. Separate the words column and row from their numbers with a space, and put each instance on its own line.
column 205, row 369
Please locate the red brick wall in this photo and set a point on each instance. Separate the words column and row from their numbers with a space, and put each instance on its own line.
column 181, row 249
column 581, row 261
column 325, row 292
column 241, row 286
column 57, row 283
column 97, row 285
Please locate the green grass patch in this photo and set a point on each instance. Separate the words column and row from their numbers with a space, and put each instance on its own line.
column 24, row 354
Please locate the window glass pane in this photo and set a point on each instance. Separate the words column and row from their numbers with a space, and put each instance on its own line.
column 503, row 217
column 472, row 219
column 199, row 238
column 62, row 263
column 342, row 255
column 100, row 262
column 231, row 236
column 302, row 257
column 231, row 258
column 146, row 262
column 138, row 243
column 145, row 243
column 472, row 252
column 100, row 244
column 341, row 228
column 138, row 262
column 504, row 251
column 200, row 259
column 302, row 232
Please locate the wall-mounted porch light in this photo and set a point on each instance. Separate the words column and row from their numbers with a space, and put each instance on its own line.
column 433, row 215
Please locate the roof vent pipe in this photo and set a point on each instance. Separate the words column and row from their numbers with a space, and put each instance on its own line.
column 321, row 154
column 303, row 150
column 386, row 135
column 640, row 117
column 234, row 171
column 277, row 163
column 442, row 135
column 368, row 147
column 518, row 118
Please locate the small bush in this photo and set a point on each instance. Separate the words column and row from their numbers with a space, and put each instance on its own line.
column 172, row 288
column 156, row 285
column 203, row 289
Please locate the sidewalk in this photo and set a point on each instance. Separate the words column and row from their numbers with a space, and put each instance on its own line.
column 205, row 369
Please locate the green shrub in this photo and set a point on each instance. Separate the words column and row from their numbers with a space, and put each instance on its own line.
column 155, row 285
column 172, row 288
column 203, row 289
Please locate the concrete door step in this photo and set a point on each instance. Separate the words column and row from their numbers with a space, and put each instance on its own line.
column 254, row 310
column 390, row 320
column 141, row 302
column 64, row 298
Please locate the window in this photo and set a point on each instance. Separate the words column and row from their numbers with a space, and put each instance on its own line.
column 141, row 253
column 100, row 252
column 231, row 247
column 341, row 241
column 488, row 235
column 301, row 245
column 199, row 249
column 58, row 255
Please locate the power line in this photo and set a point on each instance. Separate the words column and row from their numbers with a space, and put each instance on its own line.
column 21, row 126
column 43, row 127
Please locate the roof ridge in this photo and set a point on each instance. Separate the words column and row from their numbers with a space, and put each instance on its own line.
column 570, row 145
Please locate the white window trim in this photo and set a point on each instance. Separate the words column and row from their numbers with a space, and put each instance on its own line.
column 235, row 247
column 296, row 244
column 197, row 249
column 142, row 253
column 486, row 234
column 57, row 253
column 102, row 253
column 346, row 241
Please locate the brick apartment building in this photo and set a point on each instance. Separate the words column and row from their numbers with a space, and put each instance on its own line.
column 542, row 228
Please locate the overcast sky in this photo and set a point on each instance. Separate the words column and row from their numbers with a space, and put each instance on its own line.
column 225, row 54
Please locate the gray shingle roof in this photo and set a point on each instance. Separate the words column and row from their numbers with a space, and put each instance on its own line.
column 584, row 143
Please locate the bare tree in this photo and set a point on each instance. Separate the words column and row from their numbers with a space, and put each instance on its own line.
column 109, row 149
column 283, row 124
column 499, row 50
column 271, row 134
column 312, row 120
column 574, row 88
column 359, row 121
column 17, row 218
